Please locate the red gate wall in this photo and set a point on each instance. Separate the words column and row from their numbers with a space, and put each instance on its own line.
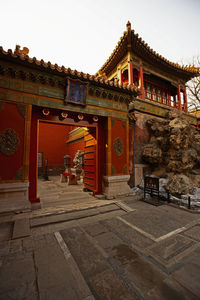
column 54, row 117
column 12, row 117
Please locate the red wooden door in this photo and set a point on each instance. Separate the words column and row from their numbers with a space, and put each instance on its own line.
column 90, row 160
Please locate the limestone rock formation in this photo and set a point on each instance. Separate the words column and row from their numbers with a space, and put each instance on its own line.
column 175, row 147
column 180, row 184
column 152, row 154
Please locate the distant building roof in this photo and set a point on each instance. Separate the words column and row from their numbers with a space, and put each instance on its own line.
column 130, row 41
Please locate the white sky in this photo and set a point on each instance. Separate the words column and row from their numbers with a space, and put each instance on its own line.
column 81, row 34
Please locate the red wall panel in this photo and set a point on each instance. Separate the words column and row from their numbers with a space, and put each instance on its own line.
column 131, row 149
column 119, row 158
column 52, row 142
column 12, row 116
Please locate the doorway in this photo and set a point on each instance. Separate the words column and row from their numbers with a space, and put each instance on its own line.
column 57, row 129
column 56, row 141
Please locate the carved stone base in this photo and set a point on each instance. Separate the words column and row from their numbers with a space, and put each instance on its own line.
column 35, row 206
column 139, row 173
column 14, row 196
column 116, row 186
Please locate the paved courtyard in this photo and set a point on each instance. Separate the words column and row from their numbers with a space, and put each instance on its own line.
column 125, row 249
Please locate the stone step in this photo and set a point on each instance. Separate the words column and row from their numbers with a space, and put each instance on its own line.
column 54, row 202
column 59, row 190
column 64, row 195
column 65, row 217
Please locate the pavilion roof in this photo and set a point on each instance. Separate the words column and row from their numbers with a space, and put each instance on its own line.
column 130, row 41
column 21, row 57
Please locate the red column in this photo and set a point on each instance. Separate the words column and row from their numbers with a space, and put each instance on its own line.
column 169, row 98
column 33, row 160
column 179, row 97
column 120, row 76
column 185, row 100
column 141, row 83
column 174, row 103
column 130, row 72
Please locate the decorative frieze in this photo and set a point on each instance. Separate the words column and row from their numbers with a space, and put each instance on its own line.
column 108, row 94
column 33, row 76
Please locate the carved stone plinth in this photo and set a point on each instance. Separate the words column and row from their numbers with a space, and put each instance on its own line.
column 116, row 186
column 14, row 196
column 138, row 173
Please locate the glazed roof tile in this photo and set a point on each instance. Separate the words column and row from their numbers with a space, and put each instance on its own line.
column 142, row 49
column 19, row 56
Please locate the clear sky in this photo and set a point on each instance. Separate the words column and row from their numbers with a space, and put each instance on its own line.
column 81, row 34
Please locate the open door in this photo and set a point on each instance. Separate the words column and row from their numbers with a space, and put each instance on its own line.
column 90, row 159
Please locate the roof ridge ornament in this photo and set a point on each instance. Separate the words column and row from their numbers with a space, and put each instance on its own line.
column 21, row 52
column 128, row 26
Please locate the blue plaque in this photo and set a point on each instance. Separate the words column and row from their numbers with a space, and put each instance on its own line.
column 76, row 91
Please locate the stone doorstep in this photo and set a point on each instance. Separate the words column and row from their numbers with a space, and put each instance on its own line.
column 65, row 216
column 48, row 211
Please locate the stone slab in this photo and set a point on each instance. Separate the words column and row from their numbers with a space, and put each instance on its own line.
column 21, row 228
column 170, row 250
column 127, row 234
column 123, row 254
column 107, row 286
column 6, row 231
column 82, row 288
column 157, row 221
column 94, row 229
column 193, row 232
column 4, row 248
column 55, row 281
column 141, row 275
column 86, row 255
column 108, row 240
column 171, row 289
column 144, row 276
column 189, row 276
column 18, row 279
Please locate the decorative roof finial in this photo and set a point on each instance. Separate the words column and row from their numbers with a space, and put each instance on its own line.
column 128, row 26
column 21, row 52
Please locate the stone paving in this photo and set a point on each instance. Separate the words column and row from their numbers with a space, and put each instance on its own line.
column 129, row 251
column 57, row 198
